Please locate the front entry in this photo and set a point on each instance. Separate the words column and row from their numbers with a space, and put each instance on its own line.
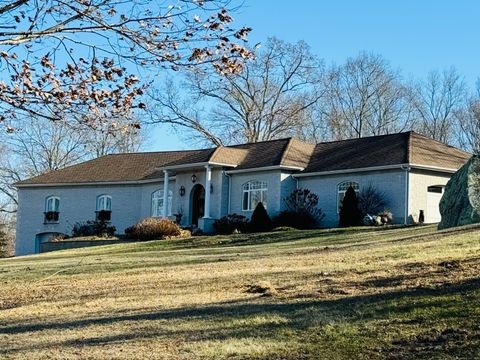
column 197, row 199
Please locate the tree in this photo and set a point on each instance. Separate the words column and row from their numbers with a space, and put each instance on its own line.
column 366, row 97
column 273, row 96
column 302, row 210
column 39, row 145
column 468, row 118
column 436, row 100
column 349, row 213
column 260, row 221
column 92, row 53
column 371, row 201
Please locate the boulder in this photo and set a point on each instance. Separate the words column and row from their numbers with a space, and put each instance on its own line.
column 460, row 204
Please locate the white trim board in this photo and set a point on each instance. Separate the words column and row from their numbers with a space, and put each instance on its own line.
column 375, row 168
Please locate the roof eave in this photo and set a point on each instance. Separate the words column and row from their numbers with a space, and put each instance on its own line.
column 93, row 183
column 376, row 168
column 195, row 165
column 266, row 168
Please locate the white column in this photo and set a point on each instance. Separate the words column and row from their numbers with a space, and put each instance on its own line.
column 165, row 193
column 208, row 183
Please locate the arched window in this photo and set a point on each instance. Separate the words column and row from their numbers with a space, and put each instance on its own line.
column 253, row 193
column 342, row 189
column 157, row 203
column 52, row 209
column 104, row 208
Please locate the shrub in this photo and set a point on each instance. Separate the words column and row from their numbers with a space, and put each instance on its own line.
column 6, row 243
column 302, row 210
column 350, row 215
column 152, row 229
column 386, row 216
column 371, row 201
column 93, row 228
column 382, row 218
column 260, row 221
column 231, row 223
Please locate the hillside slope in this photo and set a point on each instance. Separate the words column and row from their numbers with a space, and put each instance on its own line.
column 341, row 294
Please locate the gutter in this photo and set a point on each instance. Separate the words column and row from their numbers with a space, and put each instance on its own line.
column 96, row 183
column 376, row 168
column 192, row 165
column 265, row 168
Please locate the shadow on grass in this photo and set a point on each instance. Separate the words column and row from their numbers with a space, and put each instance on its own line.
column 448, row 304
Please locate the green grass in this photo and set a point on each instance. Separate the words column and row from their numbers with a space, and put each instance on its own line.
column 359, row 293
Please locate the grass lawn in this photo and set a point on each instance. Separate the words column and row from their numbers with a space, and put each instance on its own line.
column 341, row 294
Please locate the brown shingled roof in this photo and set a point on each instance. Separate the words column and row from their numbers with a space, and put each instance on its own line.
column 366, row 152
column 403, row 148
column 425, row 151
column 119, row 167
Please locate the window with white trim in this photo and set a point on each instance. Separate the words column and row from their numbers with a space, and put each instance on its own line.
column 104, row 208
column 52, row 209
column 342, row 189
column 157, row 203
column 253, row 193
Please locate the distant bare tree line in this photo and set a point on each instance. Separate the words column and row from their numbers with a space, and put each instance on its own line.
column 288, row 91
column 39, row 145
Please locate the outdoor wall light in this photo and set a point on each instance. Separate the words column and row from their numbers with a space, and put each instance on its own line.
column 194, row 178
column 182, row 190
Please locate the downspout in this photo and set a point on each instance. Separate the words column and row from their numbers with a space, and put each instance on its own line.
column 296, row 180
column 407, row 169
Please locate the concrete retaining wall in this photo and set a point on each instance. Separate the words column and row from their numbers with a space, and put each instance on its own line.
column 63, row 245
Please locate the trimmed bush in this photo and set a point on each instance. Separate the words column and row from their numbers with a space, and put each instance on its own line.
column 93, row 228
column 153, row 229
column 350, row 215
column 230, row 224
column 302, row 211
column 260, row 221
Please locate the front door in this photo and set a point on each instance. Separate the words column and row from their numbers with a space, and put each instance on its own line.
column 198, row 203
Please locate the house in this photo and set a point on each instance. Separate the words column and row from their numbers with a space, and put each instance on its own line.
column 198, row 186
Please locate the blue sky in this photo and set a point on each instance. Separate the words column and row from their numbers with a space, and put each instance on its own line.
column 416, row 36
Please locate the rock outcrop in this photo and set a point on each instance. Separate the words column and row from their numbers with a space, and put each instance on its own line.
column 460, row 204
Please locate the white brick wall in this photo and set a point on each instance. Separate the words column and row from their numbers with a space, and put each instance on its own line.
column 77, row 203
column 273, row 178
column 420, row 180
column 391, row 182
column 130, row 203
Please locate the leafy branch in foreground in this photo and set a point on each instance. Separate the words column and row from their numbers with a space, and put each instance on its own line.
column 91, row 53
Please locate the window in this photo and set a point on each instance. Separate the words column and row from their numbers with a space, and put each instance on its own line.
column 52, row 209
column 342, row 189
column 104, row 208
column 157, row 203
column 253, row 193
column 435, row 189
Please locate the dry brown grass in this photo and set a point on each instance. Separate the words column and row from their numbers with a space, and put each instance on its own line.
column 399, row 293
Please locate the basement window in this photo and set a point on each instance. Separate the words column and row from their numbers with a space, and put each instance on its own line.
column 435, row 189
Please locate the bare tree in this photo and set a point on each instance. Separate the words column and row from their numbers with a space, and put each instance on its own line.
column 273, row 96
column 366, row 97
column 468, row 118
column 41, row 145
column 436, row 100
column 93, row 53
